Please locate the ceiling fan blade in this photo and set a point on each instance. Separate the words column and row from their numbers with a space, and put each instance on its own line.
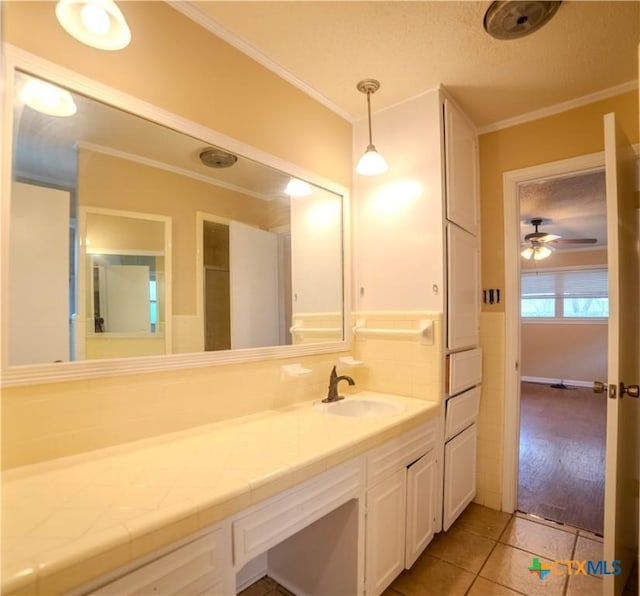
column 549, row 238
column 575, row 241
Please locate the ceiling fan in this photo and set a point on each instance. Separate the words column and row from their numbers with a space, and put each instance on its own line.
column 536, row 243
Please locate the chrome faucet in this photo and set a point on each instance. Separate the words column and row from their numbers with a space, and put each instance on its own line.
column 334, row 379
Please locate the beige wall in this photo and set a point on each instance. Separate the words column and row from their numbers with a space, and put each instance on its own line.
column 560, row 350
column 179, row 66
column 564, row 135
column 175, row 64
column 114, row 183
column 578, row 258
column 571, row 352
column 568, row 134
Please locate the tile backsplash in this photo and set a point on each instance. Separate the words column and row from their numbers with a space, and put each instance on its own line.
column 491, row 415
column 42, row 422
column 404, row 366
column 48, row 421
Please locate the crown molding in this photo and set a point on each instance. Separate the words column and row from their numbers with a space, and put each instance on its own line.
column 190, row 11
column 559, row 107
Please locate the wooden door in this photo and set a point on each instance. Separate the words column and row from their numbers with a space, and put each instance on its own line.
column 621, row 479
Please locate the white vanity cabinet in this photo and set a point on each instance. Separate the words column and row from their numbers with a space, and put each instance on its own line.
column 349, row 530
column 417, row 248
column 400, row 508
column 197, row 565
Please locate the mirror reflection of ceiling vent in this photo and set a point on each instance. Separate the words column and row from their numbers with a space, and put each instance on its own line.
column 216, row 158
column 512, row 19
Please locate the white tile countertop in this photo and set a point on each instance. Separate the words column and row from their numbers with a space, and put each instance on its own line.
column 68, row 521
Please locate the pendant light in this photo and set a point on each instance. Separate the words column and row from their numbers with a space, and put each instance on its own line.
column 96, row 23
column 371, row 163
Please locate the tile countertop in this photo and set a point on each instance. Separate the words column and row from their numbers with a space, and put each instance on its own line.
column 68, row 521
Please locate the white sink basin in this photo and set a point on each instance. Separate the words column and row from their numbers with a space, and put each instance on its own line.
column 361, row 407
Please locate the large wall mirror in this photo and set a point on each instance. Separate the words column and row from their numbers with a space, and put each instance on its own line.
column 129, row 240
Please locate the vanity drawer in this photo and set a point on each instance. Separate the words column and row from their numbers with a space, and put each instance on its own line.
column 399, row 452
column 281, row 517
column 462, row 411
column 464, row 370
column 195, row 568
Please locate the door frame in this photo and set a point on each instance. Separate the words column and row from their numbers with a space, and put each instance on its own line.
column 510, row 181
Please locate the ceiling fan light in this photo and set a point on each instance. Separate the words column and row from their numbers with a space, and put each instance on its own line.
column 96, row 23
column 541, row 252
column 527, row 253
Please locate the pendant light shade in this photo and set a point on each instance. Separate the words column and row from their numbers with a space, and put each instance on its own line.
column 96, row 23
column 371, row 163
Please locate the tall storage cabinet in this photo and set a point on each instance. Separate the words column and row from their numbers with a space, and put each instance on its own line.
column 464, row 360
column 416, row 248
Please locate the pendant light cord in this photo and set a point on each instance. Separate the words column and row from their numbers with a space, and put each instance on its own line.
column 369, row 116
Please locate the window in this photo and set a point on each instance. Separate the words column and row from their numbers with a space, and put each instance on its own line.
column 565, row 294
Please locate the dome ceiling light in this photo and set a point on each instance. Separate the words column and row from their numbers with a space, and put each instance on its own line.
column 47, row 98
column 96, row 23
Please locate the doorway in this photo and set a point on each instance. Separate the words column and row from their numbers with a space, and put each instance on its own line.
column 513, row 333
column 563, row 346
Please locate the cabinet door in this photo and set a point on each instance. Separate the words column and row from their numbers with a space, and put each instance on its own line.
column 461, row 148
column 463, row 291
column 385, row 532
column 421, row 506
column 459, row 474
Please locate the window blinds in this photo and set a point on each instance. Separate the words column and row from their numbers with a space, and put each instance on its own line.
column 581, row 283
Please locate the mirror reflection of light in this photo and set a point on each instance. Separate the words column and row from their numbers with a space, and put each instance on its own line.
column 47, row 98
column 298, row 188
column 396, row 196
column 95, row 19
column 323, row 214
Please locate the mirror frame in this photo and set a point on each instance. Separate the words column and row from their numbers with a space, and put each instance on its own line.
column 18, row 59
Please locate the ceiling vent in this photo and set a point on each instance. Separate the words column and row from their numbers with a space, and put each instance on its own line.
column 512, row 19
column 217, row 158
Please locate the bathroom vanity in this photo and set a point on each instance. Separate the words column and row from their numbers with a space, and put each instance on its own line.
column 298, row 493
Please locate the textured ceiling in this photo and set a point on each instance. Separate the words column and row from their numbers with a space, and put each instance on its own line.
column 571, row 207
column 413, row 46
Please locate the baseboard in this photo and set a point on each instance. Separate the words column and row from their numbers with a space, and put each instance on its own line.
column 550, row 381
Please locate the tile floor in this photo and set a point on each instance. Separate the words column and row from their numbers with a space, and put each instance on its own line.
column 487, row 553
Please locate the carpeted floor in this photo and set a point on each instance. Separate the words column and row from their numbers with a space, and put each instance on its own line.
column 562, row 455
